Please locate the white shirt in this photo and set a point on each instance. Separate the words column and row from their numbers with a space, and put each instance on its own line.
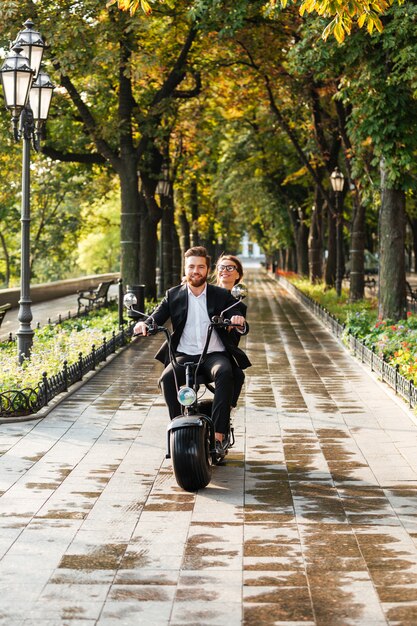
column 194, row 334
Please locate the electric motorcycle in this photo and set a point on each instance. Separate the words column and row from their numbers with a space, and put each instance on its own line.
column 191, row 441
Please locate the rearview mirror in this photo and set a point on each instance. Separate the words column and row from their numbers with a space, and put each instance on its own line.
column 130, row 300
column 239, row 291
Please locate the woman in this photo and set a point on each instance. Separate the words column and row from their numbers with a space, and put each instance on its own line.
column 229, row 272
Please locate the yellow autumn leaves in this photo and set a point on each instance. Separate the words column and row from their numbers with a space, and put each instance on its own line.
column 345, row 13
column 132, row 5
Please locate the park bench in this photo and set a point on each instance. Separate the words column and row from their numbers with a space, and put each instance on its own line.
column 410, row 292
column 370, row 282
column 3, row 309
column 94, row 297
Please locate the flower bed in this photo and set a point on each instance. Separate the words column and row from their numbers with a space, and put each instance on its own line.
column 54, row 344
column 396, row 342
column 61, row 355
column 388, row 349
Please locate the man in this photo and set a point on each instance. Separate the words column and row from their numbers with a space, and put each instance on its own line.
column 191, row 306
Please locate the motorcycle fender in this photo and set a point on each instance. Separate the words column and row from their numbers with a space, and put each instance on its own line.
column 182, row 422
column 185, row 422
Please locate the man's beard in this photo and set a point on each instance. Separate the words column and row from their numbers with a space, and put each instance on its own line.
column 196, row 281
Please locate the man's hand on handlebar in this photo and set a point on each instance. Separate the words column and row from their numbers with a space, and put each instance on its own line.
column 239, row 323
column 141, row 329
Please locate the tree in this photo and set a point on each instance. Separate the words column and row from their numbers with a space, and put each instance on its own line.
column 347, row 13
column 119, row 83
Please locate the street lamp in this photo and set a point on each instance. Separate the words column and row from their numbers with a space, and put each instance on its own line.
column 27, row 94
column 338, row 180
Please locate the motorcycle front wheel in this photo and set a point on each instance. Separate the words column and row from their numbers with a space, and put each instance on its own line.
column 191, row 459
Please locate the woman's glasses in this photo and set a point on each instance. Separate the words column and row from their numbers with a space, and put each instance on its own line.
column 228, row 268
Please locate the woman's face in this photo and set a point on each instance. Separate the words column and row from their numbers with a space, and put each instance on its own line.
column 227, row 273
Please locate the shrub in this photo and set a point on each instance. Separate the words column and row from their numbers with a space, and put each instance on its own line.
column 52, row 345
column 395, row 341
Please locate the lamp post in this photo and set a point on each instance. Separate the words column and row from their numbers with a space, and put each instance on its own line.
column 337, row 180
column 27, row 94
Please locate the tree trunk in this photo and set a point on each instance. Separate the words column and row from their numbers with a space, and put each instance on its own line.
column 185, row 240
column 176, row 274
column 302, row 249
column 6, row 259
column 413, row 226
column 166, row 248
column 129, row 223
column 357, row 256
column 300, row 229
column 170, row 244
column 148, row 247
column 195, row 238
column 392, row 298
column 315, row 243
column 292, row 259
column 358, row 234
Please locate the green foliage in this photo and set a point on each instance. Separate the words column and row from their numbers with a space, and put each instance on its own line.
column 340, row 307
column 395, row 342
column 248, row 174
column 54, row 344
column 98, row 249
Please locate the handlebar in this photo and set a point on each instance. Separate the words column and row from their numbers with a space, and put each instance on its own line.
column 220, row 322
column 216, row 322
column 153, row 329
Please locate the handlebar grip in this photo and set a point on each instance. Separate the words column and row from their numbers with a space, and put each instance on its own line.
column 152, row 330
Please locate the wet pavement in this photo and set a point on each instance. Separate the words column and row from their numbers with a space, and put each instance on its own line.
column 43, row 312
column 312, row 520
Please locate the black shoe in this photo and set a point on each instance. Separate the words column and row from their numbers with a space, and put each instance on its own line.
column 220, row 453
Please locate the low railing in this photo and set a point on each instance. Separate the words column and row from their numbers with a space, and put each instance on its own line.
column 138, row 290
column 23, row 402
column 56, row 289
column 61, row 318
column 388, row 374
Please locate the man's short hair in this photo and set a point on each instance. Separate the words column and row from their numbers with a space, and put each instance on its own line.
column 198, row 251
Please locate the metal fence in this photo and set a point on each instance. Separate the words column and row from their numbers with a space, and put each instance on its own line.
column 387, row 373
column 21, row 402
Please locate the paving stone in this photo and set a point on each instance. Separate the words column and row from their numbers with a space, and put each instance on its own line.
column 312, row 519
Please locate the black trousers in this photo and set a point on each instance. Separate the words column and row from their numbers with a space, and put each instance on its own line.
column 216, row 368
column 238, row 380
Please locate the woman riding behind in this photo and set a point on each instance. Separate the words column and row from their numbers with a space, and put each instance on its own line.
column 229, row 272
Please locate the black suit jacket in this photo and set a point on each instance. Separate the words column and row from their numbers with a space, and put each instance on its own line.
column 175, row 306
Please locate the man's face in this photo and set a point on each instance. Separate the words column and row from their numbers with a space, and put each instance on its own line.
column 196, row 270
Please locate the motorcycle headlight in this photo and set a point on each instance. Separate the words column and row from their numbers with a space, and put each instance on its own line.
column 186, row 396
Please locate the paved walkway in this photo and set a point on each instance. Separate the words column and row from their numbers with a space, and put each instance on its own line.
column 312, row 520
column 42, row 312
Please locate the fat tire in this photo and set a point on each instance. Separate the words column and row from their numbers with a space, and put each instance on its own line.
column 190, row 456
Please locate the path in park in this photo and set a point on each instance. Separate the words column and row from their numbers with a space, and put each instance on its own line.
column 312, row 520
column 42, row 312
